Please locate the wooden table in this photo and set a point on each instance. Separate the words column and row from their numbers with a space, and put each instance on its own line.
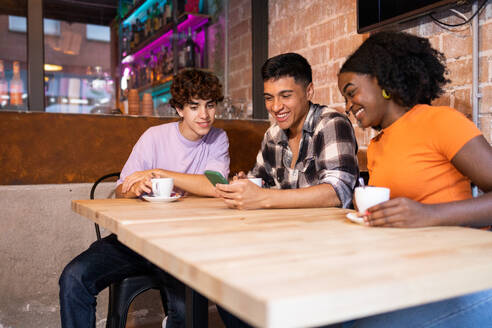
column 297, row 267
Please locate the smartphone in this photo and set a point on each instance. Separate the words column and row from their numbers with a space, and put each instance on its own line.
column 215, row 177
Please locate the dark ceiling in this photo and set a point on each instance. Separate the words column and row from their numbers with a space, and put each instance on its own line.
column 100, row 12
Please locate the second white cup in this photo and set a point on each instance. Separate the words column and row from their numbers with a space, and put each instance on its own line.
column 162, row 187
column 368, row 196
column 256, row 181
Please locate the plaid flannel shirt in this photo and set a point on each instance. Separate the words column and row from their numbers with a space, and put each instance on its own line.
column 327, row 154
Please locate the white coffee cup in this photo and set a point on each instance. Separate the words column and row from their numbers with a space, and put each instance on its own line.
column 368, row 196
column 162, row 187
column 256, row 181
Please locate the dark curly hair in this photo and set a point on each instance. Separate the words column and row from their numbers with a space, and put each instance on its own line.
column 405, row 65
column 194, row 83
column 288, row 64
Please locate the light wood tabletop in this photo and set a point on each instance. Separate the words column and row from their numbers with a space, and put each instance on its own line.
column 297, row 267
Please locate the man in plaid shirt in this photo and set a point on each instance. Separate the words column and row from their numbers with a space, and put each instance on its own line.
column 308, row 157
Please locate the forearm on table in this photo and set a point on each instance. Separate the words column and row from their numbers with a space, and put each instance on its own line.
column 474, row 212
column 196, row 184
column 322, row 195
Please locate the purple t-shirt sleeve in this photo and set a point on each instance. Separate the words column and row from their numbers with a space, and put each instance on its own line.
column 141, row 157
column 219, row 155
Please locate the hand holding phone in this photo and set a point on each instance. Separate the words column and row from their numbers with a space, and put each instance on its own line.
column 215, row 177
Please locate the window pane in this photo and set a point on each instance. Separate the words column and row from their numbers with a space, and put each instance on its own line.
column 51, row 27
column 98, row 33
column 77, row 69
column 19, row 24
column 13, row 60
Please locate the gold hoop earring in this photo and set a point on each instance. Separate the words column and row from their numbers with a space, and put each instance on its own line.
column 386, row 95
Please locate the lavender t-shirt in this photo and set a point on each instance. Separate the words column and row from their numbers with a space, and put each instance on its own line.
column 164, row 147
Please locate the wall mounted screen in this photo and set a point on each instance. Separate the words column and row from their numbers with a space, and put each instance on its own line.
column 375, row 14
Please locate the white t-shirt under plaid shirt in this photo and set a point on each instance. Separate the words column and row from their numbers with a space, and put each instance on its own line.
column 327, row 154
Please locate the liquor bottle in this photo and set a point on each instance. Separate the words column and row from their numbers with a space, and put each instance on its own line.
column 133, row 77
column 4, row 87
column 159, row 74
column 148, row 24
column 139, row 31
column 190, row 48
column 160, row 13
column 16, row 86
column 132, row 37
column 181, row 7
column 168, row 13
column 136, row 34
column 142, row 31
column 169, row 61
column 125, row 42
column 156, row 18
column 163, row 62
column 153, row 68
column 141, row 74
column 181, row 57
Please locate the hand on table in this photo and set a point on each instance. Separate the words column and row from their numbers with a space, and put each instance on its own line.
column 139, row 182
column 240, row 193
column 401, row 213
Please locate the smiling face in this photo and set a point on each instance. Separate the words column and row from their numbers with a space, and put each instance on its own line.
column 364, row 99
column 198, row 116
column 288, row 102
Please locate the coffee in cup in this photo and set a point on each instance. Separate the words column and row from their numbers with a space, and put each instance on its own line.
column 162, row 187
column 368, row 196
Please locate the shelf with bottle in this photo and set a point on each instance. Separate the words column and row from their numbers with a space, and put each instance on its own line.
column 136, row 32
column 154, row 84
column 150, row 71
column 163, row 36
column 156, row 64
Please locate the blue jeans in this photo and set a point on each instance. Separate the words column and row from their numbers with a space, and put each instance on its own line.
column 104, row 262
column 469, row 311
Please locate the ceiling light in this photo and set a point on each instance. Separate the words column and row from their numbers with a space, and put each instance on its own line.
column 52, row 68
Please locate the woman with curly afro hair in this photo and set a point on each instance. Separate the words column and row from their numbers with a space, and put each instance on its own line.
column 427, row 155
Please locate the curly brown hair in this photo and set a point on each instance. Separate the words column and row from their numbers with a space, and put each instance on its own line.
column 194, row 83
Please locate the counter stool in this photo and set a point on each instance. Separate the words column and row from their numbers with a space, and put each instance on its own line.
column 122, row 293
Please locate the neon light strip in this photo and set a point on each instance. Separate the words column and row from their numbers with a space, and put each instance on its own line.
column 140, row 12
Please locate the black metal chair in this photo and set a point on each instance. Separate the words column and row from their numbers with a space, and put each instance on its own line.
column 122, row 293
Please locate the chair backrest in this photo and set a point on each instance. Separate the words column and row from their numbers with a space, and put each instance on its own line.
column 93, row 190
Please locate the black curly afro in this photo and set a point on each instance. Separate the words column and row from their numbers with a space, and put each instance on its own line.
column 405, row 65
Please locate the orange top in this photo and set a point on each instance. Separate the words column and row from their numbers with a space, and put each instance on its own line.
column 413, row 155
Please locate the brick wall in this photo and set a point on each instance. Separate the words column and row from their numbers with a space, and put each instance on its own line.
column 239, row 26
column 324, row 31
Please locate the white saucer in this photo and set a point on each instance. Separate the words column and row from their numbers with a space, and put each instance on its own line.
column 355, row 218
column 161, row 199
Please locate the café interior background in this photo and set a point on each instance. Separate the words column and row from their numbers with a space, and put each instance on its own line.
column 41, row 234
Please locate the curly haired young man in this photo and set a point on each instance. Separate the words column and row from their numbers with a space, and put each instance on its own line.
column 180, row 150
